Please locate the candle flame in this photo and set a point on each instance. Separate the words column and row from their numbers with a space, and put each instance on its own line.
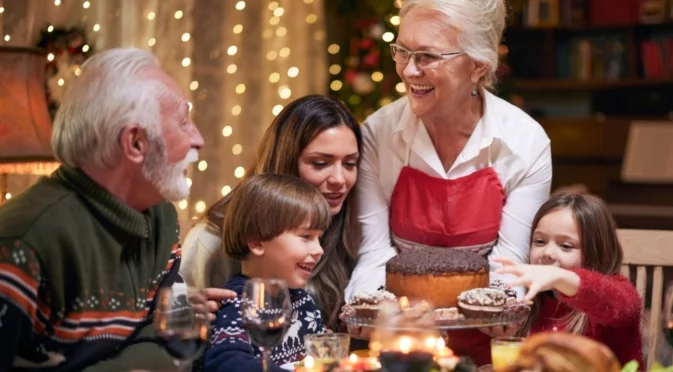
column 440, row 343
column 353, row 358
column 431, row 342
column 405, row 344
column 309, row 362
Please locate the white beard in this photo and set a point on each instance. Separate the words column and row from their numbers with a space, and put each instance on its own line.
column 169, row 179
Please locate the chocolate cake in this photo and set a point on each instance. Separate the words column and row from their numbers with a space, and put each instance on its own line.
column 482, row 302
column 436, row 274
column 366, row 304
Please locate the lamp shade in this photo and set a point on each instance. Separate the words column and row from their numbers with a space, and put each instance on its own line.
column 25, row 125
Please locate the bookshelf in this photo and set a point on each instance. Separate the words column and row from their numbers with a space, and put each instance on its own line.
column 585, row 69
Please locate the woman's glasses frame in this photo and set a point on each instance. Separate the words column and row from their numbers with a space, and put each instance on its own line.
column 423, row 59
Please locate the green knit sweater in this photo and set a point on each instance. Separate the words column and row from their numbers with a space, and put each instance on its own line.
column 78, row 274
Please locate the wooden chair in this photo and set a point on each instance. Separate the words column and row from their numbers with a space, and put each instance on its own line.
column 643, row 249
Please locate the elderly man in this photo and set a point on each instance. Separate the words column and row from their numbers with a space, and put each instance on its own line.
column 83, row 252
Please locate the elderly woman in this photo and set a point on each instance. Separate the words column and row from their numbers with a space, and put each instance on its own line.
column 449, row 165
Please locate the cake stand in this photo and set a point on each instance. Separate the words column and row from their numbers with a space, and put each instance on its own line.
column 447, row 325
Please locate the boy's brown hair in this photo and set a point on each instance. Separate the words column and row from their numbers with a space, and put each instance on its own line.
column 266, row 205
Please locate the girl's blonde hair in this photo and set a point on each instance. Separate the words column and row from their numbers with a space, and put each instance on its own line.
column 267, row 205
column 601, row 250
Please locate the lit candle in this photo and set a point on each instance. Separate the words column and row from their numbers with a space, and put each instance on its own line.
column 405, row 344
column 309, row 366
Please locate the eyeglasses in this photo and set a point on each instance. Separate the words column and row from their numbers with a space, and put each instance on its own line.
column 426, row 60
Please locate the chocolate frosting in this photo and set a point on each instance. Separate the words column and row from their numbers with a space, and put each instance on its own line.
column 436, row 261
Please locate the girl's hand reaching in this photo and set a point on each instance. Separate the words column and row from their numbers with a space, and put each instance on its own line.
column 540, row 278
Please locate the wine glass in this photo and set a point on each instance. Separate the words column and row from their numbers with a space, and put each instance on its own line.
column 181, row 323
column 266, row 312
column 668, row 313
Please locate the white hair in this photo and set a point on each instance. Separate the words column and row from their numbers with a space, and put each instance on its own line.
column 481, row 24
column 110, row 93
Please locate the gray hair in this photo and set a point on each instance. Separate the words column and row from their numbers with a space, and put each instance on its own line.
column 110, row 93
column 481, row 24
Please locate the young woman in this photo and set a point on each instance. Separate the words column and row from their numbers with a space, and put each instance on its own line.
column 316, row 139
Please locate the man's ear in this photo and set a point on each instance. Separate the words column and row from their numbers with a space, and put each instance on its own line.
column 134, row 143
column 256, row 248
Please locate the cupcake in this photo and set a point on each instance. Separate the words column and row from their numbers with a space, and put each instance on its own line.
column 367, row 304
column 498, row 284
column 482, row 302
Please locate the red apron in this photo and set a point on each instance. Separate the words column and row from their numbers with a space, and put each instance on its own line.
column 462, row 213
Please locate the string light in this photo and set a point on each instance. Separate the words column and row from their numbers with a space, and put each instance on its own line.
column 182, row 204
column 274, row 20
column 377, row 76
column 178, row 14
column 186, row 61
column 236, row 110
column 336, row 85
column 86, row 5
column 7, row 37
column 278, row 12
column 232, row 68
column 284, row 52
column 57, row 2
column 395, row 20
column 271, row 55
column 267, row 33
column 240, row 88
column 239, row 172
column 232, row 50
column 85, row 48
column 226, row 131
column 151, row 41
column 311, row 19
column 185, row 37
column 194, row 85
column 335, row 69
column 400, row 88
column 50, row 57
column 200, row 206
column 96, row 27
column 61, row 82
column 388, row 36
column 238, row 29
column 240, row 5
column 225, row 190
column 203, row 165
column 333, row 49
column 189, row 182
column 281, row 31
column 273, row 5
column 276, row 110
column 50, row 28
column 274, row 77
column 8, row 196
column 151, row 15
column 237, row 149
column 293, row 72
column 284, row 92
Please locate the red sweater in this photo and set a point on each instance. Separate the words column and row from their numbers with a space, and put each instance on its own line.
column 613, row 308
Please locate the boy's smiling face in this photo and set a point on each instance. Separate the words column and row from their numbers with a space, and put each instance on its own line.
column 290, row 256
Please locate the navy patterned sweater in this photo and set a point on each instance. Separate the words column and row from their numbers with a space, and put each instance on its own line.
column 230, row 348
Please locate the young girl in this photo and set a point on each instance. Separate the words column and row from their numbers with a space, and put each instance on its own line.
column 574, row 276
column 273, row 226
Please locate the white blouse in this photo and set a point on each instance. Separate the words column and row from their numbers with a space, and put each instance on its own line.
column 521, row 156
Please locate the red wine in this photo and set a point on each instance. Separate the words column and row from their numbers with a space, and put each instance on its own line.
column 265, row 334
column 181, row 347
column 668, row 332
column 414, row 361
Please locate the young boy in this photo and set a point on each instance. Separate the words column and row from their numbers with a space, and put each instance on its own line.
column 273, row 225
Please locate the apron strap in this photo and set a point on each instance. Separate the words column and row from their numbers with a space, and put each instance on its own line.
column 490, row 163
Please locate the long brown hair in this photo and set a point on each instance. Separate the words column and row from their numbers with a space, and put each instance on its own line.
column 282, row 144
column 601, row 250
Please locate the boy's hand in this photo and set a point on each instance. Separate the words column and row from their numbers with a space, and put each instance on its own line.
column 540, row 278
column 214, row 298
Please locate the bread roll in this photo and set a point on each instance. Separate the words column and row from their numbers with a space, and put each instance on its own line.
column 563, row 352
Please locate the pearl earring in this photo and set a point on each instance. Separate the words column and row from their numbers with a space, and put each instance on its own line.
column 474, row 91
